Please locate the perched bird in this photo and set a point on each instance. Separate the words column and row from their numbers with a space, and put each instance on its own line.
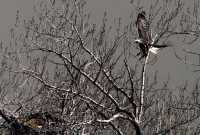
column 143, row 27
column 144, row 33
column 145, row 40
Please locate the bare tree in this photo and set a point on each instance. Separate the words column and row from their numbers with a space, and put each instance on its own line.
column 83, row 81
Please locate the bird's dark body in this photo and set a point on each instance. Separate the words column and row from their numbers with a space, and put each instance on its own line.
column 144, row 33
column 143, row 49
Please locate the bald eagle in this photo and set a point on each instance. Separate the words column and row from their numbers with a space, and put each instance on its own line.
column 145, row 38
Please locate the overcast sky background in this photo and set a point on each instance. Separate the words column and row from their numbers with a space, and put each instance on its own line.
column 167, row 64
